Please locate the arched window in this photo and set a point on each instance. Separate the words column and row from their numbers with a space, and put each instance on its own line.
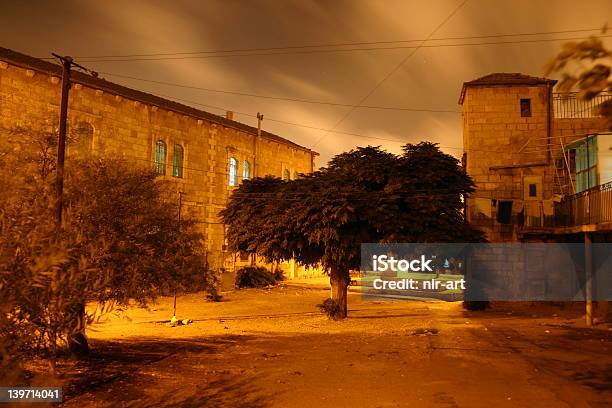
column 177, row 162
column 246, row 170
column 286, row 175
column 84, row 138
column 295, row 174
column 233, row 172
column 160, row 157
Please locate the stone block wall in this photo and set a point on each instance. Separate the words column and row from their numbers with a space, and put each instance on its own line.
column 507, row 152
column 128, row 128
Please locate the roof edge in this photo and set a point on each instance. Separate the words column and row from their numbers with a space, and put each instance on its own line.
column 36, row 64
column 504, row 80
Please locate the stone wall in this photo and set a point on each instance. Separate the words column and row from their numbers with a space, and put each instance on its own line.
column 503, row 150
column 507, row 152
column 129, row 129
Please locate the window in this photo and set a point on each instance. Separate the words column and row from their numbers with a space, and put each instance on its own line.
column 586, row 164
column 233, row 172
column 295, row 174
column 246, row 170
column 177, row 163
column 84, row 138
column 160, row 157
column 533, row 190
column 526, row 108
column 286, row 175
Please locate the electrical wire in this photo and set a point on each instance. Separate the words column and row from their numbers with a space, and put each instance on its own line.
column 279, row 98
column 307, row 49
column 393, row 71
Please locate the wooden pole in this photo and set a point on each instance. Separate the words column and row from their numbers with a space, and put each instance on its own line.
column 588, row 284
column 61, row 145
column 256, row 147
column 179, row 221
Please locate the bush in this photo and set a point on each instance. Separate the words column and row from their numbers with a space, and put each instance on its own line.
column 279, row 275
column 255, row 277
column 330, row 307
column 120, row 240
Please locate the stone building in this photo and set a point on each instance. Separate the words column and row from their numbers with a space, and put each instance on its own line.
column 206, row 156
column 526, row 149
column 542, row 165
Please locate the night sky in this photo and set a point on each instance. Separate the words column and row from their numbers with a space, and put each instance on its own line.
column 429, row 79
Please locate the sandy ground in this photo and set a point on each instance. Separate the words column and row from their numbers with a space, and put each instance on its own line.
column 272, row 348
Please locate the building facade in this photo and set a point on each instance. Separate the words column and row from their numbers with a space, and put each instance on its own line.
column 532, row 153
column 541, row 162
column 205, row 156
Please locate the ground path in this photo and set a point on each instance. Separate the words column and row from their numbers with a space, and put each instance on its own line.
column 271, row 348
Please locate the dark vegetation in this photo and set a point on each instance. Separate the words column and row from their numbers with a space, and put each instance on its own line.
column 366, row 195
column 120, row 241
column 257, row 277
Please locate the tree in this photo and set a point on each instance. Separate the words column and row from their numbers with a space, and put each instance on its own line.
column 120, row 241
column 365, row 195
column 585, row 66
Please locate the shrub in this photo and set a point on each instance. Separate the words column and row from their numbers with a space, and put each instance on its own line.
column 254, row 277
column 120, row 240
column 279, row 275
column 330, row 307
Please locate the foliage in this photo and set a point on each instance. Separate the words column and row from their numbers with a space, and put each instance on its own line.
column 366, row 195
column 330, row 308
column 585, row 66
column 120, row 240
column 255, row 277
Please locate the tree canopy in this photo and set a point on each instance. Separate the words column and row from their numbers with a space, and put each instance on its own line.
column 366, row 195
column 120, row 240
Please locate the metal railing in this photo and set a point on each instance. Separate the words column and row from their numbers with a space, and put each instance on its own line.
column 569, row 105
column 592, row 206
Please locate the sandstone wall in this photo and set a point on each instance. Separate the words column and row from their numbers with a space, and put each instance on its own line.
column 129, row 129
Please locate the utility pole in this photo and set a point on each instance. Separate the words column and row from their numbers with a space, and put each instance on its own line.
column 61, row 145
column 255, row 164
column 180, row 205
column 67, row 64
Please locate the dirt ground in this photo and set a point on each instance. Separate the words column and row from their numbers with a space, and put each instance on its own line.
column 272, row 348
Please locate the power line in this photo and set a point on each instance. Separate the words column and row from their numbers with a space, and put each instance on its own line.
column 331, row 131
column 393, row 71
column 279, row 98
column 309, row 48
column 343, row 50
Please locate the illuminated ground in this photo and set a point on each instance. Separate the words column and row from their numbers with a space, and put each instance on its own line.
column 263, row 348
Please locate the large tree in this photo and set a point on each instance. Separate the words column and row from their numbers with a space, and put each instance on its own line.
column 366, row 195
column 120, row 240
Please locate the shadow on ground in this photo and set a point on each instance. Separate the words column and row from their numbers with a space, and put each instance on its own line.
column 119, row 373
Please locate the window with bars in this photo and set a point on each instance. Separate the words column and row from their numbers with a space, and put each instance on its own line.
column 233, row 172
column 246, row 170
column 177, row 163
column 84, row 138
column 160, row 157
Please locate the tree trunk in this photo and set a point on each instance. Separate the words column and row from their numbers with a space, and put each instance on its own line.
column 339, row 280
column 77, row 341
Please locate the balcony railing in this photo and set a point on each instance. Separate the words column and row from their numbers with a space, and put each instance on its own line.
column 593, row 206
column 568, row 105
